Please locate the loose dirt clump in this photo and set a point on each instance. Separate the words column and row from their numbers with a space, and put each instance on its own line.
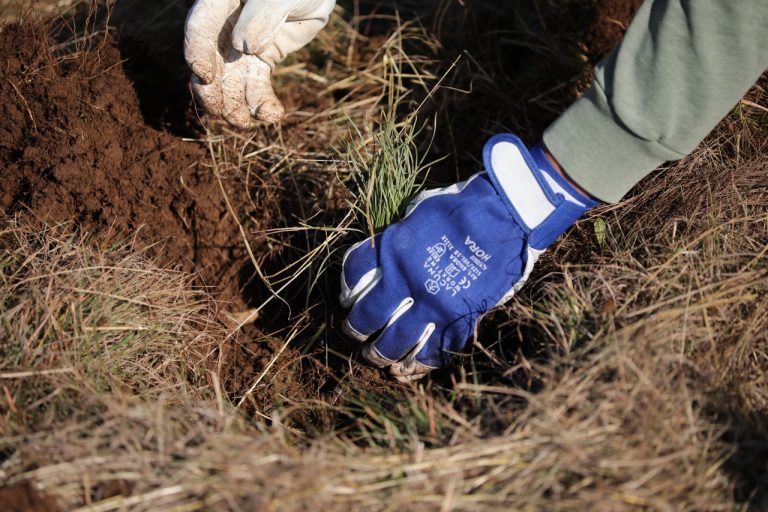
column 75, row 147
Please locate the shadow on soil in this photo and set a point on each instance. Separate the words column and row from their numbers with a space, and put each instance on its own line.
column 748, row 464
column 151, row 36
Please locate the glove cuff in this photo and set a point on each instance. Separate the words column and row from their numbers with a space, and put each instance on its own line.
column 518, row 175
column 557, row 181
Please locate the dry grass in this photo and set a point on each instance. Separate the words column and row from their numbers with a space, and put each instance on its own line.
column 629, row 375
column 80, row 322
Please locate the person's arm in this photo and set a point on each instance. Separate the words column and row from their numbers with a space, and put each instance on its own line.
column 680, row 68
column 424, row 282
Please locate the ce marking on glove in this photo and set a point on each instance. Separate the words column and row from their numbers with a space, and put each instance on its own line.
column 457, row 272
column 432, row 286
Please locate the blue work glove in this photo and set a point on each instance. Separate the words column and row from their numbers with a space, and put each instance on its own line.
column 457, row 253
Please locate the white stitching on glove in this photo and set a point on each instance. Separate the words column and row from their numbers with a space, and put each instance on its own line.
column 233, row 46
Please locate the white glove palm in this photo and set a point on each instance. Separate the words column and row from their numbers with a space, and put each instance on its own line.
column 232, row 47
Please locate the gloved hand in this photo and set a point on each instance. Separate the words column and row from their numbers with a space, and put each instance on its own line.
column 459, row 252
column 232, row 47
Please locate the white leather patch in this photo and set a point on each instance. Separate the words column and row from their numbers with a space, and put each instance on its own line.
column 401, row 309
column 353, row 333
column 425, row 334
column 533, row 255
column 349, row 295
column 363, row 286
column 519, row 184
column 456, row 188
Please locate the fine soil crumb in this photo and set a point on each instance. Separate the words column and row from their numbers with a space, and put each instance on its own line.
column 74, row 147
column 24, row 497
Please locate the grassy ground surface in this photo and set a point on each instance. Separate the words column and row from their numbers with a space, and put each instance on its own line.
column 630, row 374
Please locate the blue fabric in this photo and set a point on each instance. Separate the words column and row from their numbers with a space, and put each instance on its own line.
column 567, row 213
column 544, row 165
column 455, row 256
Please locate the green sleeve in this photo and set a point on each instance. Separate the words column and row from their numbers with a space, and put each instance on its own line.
column 680, row 68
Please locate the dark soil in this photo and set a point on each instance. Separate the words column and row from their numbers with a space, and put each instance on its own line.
column 74, row 147
column 92, row 138
column 611, row 19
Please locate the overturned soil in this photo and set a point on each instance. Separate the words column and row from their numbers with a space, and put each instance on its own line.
column 74, row 147
column 87, row 138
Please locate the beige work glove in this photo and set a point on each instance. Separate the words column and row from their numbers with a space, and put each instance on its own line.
column 232, row 47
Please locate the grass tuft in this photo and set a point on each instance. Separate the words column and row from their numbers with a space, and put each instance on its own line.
column 386, row 170
column 79, row 322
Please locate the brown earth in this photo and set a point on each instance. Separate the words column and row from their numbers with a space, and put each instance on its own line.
column 82, row 142
column 74, row 147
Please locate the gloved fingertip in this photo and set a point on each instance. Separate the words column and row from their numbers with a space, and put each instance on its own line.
column 205, row 75
column 239, row 43
column 358, row 271
column 204, row 64
column 353, row 333
column 246, row 43
column 406, row 379
column 271, row 111
column 240, row 119
column 410, row 370
column 372, row 355
column 208, row 96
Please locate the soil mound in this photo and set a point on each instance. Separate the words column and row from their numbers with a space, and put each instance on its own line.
column 75, row 147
